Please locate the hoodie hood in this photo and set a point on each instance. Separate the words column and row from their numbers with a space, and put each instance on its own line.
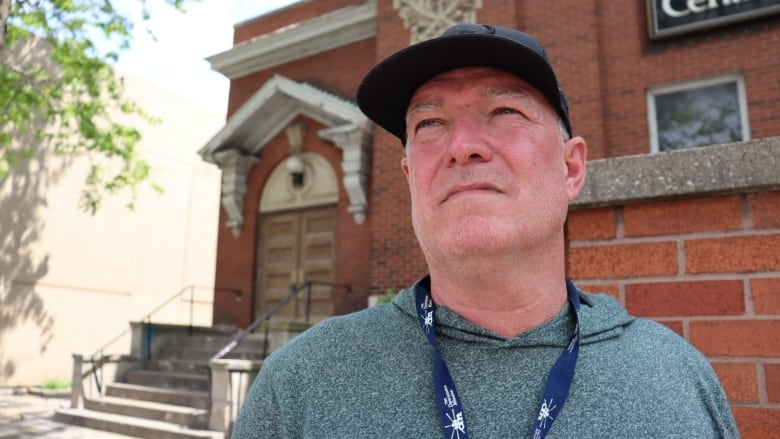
column 601, row 317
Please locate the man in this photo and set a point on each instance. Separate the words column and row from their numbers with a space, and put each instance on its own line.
column 495, row 343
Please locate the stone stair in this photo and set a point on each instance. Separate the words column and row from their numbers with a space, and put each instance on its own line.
column 166, row 396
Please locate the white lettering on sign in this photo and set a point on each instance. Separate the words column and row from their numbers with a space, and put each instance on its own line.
column 696, row 6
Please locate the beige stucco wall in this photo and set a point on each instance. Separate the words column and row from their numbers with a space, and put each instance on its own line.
column 71, row 282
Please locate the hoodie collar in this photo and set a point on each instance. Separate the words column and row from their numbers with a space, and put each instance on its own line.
column 601, row 317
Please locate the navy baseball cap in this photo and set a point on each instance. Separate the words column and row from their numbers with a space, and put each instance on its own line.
column 385, row 92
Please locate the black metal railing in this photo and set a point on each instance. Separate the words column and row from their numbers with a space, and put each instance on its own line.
column 98, row 358
column 239, row 374
column 295, row 289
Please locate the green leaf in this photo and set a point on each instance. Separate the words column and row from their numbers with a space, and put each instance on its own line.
column 71, row 106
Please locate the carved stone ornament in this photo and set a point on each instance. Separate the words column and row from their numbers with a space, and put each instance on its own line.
column 235, row 166
column 426, row 19
column 355, row 142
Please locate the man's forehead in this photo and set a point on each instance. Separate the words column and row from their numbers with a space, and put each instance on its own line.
column 487, row 83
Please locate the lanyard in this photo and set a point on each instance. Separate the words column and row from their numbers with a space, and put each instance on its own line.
column 453, row 421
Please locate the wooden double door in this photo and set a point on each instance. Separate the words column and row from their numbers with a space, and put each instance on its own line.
column 296, row 247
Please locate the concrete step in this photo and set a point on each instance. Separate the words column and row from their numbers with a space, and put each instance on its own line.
column 198, row 354
column 253, row 342
column 174, row 414
column 205, row 341
column 127, row 425
column 189, row 398
column 167, row 380
column 200, row 367
column 201, row 347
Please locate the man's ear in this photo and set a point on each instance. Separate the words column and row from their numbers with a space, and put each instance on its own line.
column 575, row 152
column 405, row 167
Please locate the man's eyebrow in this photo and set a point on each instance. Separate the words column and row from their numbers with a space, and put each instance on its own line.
column 429, row 104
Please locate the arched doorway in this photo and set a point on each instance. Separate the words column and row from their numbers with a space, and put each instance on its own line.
column 297, row 241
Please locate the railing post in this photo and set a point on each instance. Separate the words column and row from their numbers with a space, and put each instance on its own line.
column 76, row 383
column 192, row 306
column 219, row 413
column 227, row 394
column 308, row 301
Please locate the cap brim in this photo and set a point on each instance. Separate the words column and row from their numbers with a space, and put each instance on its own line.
column 386, row 90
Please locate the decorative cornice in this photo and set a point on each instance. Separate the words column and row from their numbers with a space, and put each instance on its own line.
column 329, row 31
column 426, row 19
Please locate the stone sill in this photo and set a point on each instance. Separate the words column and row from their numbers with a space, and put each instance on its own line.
column 745, row 167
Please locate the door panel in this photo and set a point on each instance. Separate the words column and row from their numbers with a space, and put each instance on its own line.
column 296, row 247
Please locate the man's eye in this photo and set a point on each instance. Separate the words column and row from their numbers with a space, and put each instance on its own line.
column 505, row 110
column 427, row 123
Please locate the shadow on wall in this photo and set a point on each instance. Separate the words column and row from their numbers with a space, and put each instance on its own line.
column 23, row 262
column 23, row 196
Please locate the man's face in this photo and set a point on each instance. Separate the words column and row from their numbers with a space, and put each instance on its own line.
column 488, row 170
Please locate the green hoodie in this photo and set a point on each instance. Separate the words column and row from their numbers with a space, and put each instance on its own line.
column 369, row 374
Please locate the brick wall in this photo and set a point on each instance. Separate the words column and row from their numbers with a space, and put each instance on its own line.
column 293, row 14
column 396, row 259
column 706, row 266
column 606, row 62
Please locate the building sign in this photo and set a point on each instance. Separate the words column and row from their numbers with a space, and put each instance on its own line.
column 674, row 17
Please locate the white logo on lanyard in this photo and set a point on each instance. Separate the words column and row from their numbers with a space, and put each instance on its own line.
column 545, row 413
column 457, row 424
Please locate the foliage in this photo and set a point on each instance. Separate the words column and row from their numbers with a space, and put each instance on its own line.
column 56, row 385
column 70, row 103
column 387, row 297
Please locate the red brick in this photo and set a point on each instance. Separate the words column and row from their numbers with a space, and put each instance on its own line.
column 675, row 326
column 682, row 216
column 611, row 289
column 736, row 338
column 733, row 255
column 685, row 298
column 765, row 208
column 772, row 374
column 286, row 16
column 739, row 380
column 757, row 423
column 591, row 224
column 623, row 260
column 766, row 295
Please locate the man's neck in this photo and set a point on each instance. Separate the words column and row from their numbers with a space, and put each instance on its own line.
column 505, row 302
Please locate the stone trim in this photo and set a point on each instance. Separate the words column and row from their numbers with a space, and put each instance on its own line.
column 300, row 40
column 426, row 19
column 235, row 166
column 355, row 143
column 272, row 108
column 269, row 111
column 722, row 169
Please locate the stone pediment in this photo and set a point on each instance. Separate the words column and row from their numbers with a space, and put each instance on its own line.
column 271, row 109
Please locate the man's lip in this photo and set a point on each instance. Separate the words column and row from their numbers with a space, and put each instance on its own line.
column 470, row 187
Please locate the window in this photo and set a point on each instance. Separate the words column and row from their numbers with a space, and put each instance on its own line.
column 697, row 113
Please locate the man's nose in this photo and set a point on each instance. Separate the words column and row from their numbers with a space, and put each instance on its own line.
column 468, row 143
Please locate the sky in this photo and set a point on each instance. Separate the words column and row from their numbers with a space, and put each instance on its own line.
column 176, row 61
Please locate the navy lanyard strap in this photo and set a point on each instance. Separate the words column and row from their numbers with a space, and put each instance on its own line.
column 451, row 414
